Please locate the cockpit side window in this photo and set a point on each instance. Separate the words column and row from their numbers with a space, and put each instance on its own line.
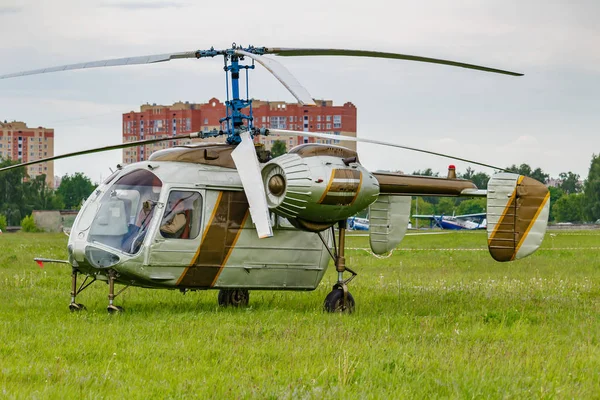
column 182, row 216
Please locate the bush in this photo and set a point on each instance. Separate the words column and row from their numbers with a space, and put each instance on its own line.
column 28, row 225
column 3, row 222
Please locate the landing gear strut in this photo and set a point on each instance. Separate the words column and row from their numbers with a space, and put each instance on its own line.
column 112, row 309
column 339, row 299
column 74, row 306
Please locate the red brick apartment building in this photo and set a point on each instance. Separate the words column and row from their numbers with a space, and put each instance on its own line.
column 157, row 121
column 19, row 142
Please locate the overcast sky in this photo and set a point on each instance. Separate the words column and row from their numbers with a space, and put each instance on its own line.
column 549, row 118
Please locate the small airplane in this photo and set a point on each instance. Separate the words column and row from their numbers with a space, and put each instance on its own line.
column 180, row 220
column 456, row 222
column 358, row 224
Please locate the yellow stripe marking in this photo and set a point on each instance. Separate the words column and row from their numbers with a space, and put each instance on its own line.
column 210, row 221
column 537, row 213
column 357, row 189
column 237, row 235
column 327, row 188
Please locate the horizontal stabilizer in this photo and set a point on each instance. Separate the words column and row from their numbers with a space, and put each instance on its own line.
column 517, row 215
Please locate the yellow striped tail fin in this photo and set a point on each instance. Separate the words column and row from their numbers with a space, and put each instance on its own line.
column 517, row 215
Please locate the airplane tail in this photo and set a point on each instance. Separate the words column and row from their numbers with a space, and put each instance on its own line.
column 517, row 215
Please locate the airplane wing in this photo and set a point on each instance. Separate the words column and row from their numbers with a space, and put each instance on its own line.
column 424, row 216
column 476, row 215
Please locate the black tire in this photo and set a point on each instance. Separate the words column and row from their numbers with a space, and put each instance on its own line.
column 334, row 302
column 233, row 297
column 76, row 307
column 115, row 309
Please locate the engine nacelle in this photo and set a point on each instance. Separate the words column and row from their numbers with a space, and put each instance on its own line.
column 315, row 186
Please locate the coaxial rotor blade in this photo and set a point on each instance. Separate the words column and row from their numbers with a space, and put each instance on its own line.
column 289, row 52
column 364, row 140
column 156, row 58
column 101, row 149
column 283, row 75
column 246, row 163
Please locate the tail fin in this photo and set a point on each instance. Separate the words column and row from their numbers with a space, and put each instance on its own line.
column 517, row 216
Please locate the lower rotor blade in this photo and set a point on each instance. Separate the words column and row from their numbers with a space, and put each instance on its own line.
column 364, row 140
column 246, row 162
column 286, row 52
column 101, row 149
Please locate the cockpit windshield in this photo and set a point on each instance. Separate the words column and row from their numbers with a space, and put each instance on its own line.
column 126, row 210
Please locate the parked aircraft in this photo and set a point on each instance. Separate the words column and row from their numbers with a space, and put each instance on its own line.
column 456, row 222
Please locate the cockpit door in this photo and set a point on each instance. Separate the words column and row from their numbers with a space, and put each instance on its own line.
column 178, row 235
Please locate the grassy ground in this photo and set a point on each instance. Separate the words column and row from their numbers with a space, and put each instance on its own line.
column 448, row 322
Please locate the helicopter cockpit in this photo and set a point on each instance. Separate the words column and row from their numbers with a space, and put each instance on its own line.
column 125, row 211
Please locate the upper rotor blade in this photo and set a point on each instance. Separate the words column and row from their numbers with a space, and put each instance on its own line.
column 364, row 140
column 287, row 52
column 101, row 149
column 283, row 75
column 246, row 163
column 107, row 63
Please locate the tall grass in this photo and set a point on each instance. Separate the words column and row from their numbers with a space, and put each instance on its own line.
column 443, row 322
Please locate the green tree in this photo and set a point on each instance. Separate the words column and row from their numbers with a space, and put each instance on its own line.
column 74, row 189
column 591, row 189
column 420, row 207
column 570, row 182
column 525, row 169
column 3, row 222
column 426, row 172
column 471, row 206
column 569, row 208
column 28, row 225
column 278, row 148
column 446, row 206
column 555, row 194
column 11, row 192
column 480, row 179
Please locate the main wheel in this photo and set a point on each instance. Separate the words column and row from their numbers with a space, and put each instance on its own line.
column 334, row 302
column 233, row 297
column 76, row 307
column 112, row 309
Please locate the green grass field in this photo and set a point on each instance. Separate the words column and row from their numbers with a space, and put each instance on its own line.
column 445, row 322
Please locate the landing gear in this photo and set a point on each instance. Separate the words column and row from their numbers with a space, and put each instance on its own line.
column 233, row 297
column 74, row 306
column 112, row 309
column 339, row 299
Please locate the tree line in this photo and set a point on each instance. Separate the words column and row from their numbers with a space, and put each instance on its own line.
column 20, row 195
column 570, row 200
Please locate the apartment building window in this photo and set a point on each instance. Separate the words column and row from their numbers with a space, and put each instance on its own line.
column 328, row 126
column 318, row 117
column 337, row 121
column 328, row 118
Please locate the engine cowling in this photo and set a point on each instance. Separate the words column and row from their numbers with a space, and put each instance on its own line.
column 315, row 186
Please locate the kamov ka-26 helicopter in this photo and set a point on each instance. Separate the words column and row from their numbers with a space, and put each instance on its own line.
column 294, row 200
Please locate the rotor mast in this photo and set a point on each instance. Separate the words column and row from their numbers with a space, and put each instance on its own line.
column 234, row 118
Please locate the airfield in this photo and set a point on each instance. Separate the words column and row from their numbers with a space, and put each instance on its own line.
column 437, row 318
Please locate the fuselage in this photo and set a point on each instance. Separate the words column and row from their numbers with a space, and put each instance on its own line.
column 119, row 228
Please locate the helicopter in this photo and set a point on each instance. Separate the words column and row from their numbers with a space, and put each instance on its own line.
column 180, row 219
